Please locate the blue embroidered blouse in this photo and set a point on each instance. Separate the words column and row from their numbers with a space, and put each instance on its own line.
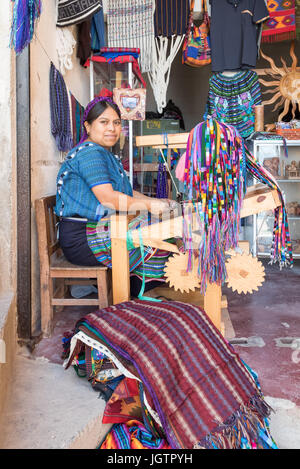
column 88, row 165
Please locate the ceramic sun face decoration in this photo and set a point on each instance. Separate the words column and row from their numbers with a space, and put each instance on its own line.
column 286, row 82
column 131, row 102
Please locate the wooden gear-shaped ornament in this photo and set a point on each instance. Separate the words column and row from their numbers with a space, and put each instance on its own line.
column 245, row 273
column 178, row 277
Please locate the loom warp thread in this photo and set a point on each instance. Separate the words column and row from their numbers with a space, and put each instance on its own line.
column 214, row 178
column 215, row 173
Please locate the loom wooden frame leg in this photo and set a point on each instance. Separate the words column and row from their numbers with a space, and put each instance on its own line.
column 212, row 304
column 120, row 259
column 102, row 289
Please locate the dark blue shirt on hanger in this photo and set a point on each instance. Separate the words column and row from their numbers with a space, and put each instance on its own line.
column 233, row 33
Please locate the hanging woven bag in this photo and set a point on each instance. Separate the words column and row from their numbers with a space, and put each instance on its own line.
column 196, row 50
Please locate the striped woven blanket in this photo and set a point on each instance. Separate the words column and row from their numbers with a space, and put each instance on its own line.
column 195, row 385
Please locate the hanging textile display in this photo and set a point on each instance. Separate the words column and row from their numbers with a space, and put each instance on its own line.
column 98, row 31
column 298, row 19
column 84, row 45
column 204, row 397
column 281, row 26
column 75, row 11
column 65, row 44
column 60, row 111
column 25, row 14
column 76, row 116
column 215, row 180
column 130, row 24
column 232, row 99
column 171, row 21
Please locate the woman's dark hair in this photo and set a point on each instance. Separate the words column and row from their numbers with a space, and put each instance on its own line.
column 99, row 108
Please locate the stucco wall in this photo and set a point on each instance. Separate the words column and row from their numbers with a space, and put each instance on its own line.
column 7, row 206
column 7, row 161
column 45, row 158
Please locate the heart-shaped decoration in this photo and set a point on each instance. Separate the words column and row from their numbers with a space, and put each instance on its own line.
column 132, row 102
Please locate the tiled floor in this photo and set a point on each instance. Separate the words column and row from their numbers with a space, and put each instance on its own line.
column 271, row 313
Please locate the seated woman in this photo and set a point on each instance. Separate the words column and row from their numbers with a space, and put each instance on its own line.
column 91, row 185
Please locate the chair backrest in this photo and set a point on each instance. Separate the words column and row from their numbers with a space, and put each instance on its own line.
column 46, row 221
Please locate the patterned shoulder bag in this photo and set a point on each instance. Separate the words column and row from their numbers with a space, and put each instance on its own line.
column 196, row 50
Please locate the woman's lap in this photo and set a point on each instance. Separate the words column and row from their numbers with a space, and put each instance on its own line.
column 73, row 241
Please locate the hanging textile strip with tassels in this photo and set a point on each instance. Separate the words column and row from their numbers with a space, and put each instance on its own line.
column 25, row 13
column 60, row 111
column 214, row 177
column 281, row 250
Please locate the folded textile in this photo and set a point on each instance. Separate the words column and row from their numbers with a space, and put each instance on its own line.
column 195, row 385
column 132, row 435
column 281, row 26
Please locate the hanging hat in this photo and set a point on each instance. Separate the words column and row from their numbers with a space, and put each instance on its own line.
column 75, row 11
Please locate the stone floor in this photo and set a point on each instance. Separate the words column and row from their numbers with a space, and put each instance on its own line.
column 267, row 337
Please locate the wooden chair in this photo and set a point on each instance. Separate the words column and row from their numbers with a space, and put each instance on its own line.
column 54, row 266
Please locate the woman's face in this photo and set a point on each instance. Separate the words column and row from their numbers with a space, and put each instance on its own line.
column 105, row 129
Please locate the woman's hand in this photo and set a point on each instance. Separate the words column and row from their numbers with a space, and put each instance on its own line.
column 157, row 206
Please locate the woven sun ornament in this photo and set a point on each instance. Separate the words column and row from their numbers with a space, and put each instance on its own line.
column 177, row 275
column 214, row 177
column 245, row 273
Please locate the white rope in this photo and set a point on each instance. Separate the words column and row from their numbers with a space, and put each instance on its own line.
column 164, row 51
column 65, row 44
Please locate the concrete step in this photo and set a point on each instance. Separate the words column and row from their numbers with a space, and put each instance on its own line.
column 51, row 408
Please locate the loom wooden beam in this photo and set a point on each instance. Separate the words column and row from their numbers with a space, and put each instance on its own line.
column 157, row 141
column 120, row 259
column 258, row 198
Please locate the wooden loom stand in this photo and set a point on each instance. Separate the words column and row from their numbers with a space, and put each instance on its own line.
column 258, row 198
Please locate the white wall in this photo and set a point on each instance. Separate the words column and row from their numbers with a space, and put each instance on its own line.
column 7, row 160
column 45, row 158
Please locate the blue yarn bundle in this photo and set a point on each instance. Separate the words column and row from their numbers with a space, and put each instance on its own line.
column 60, row 111
column 162, row 182
column 25, row 13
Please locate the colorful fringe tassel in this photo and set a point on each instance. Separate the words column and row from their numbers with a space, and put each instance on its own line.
column 281, row 250
column 214, row 177
column 25, row 13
